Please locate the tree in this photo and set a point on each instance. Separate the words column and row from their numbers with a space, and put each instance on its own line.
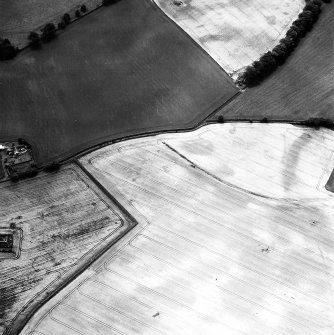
column 61, row 25
column 293, row 34
column 66, row 18
column 288, row 43
column 48, row 32
column 14, row 177
column 108, row 2
column 54, row 166
column 7, row 50
column 280, row 53
column 299, row 31
column 319, row 122
column 268, row 63
column 77, row 13
column 251, row 76
column 22, row 141
column 314, row 2
column 260, row 68
column 30, row 173
column 34, row 39
column 316, row 10
column 83, row 8
column 307, row 14
column 303, row 23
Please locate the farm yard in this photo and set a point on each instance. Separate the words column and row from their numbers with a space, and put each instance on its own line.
column 126, row 70
column 19, row 17
column 234, row 33
column 65, row 221
column 302, row 88
column 208, row 252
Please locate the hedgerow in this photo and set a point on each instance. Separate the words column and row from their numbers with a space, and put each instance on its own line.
column 260, row 69
column 7, row 50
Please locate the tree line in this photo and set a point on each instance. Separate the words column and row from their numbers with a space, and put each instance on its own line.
column 49, row 31
column 260, row 69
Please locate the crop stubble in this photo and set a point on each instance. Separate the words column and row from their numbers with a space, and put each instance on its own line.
column 234, row 33
column 207, row 254
column 63, row 218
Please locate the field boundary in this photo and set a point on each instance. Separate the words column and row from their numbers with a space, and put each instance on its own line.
column 191, row 39
column 72, row 154
column 211, row 119
column 54, row 19
column 161, row 126
column 21, row 320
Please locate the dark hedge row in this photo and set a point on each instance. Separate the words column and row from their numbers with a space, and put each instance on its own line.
column 7, row 50
column 48, row 32
column 30, row 173
column 267, row 64
column 109, row 2
column 318, row 122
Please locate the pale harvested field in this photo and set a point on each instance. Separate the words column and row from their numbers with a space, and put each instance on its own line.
column 65, row 220
column 208, row 256
column 234, row 33
column 19, row 17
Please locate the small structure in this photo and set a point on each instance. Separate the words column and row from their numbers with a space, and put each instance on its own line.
column 10, row 242
column 6, row 242
column 16, row 160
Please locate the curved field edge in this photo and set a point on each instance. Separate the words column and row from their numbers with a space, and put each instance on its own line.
column 300, row 89
column 234, row 33
column 66, row 99
column 39, row 294
column 192, row 239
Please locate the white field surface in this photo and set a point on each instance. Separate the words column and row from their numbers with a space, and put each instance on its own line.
column 219, row 248
column 65, row 220
column 234, row 32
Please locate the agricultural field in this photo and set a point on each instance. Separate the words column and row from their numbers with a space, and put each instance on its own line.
column 234, row 33
column 122, row 70
column 65, row 221
column 302, row 88
column 18, row 18
column 217, row 249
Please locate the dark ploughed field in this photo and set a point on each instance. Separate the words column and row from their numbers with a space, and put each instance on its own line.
column 302, row 88
column 123, row 70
